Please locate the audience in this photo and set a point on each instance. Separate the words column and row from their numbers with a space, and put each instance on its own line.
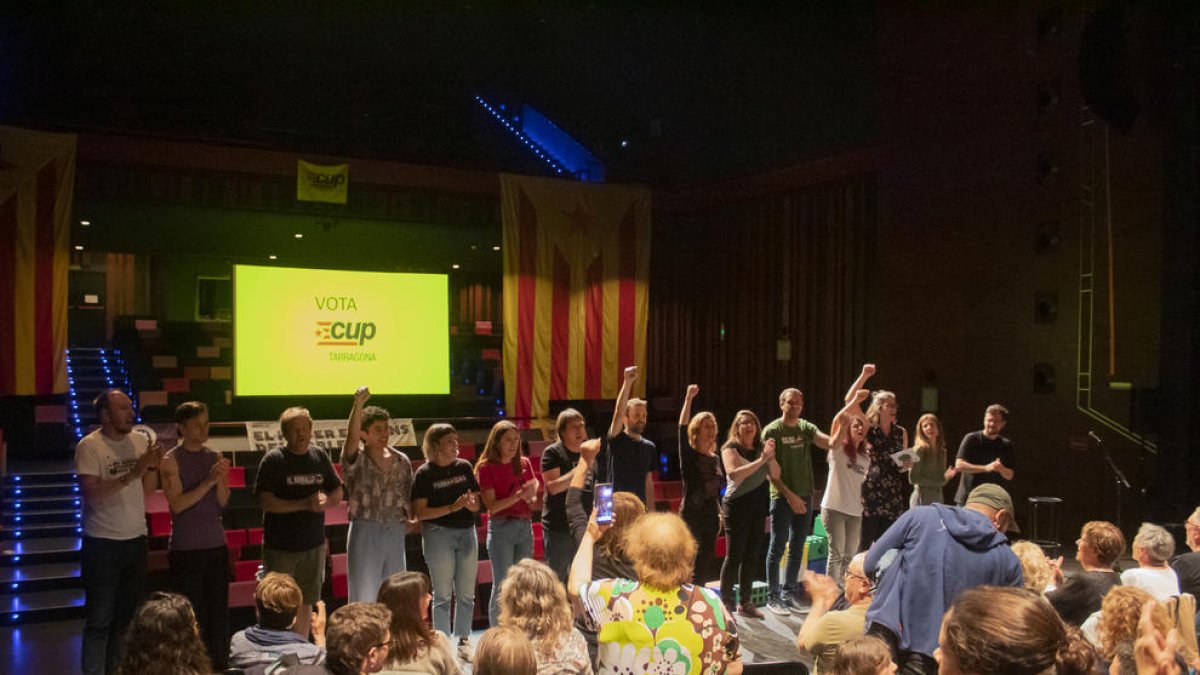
column 1098, row 548
column 1013, row 631
column 534, row 602
column 1116, row 625
column 163, row 631
column 610, row 560
column 661, row 621
column 863, row 655
column 1037, row 569
column 504, row 650
column 1153, row 546
column 359, row 640
column 927, row 558
column 416, row 646
column 823, row 631
column 1187, row 565
column 277, row 601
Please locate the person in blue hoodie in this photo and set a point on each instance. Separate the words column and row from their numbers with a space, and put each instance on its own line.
column 929, row 556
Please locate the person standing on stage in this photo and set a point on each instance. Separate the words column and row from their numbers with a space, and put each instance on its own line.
column 510, row 494
column 626, row 459
column 930, row 474
column 378, row 483
column 195, row 482
column 883, row 491
column 698, row 467
column 296, row 484
column 842, row 505
column 559, row 462
column 791, row 497
column 985, row 456
column 748, row 462
column 116, row 470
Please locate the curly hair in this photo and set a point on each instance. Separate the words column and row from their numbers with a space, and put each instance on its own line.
column 1038, row 572
column 164, row 631
column 627, row 509
column 1014, row 631
column 403, row 593
column 372, row 414
column 662, row 549
column 864, row 655
column 491, row 449
column 533, row 600
column 1119, row 614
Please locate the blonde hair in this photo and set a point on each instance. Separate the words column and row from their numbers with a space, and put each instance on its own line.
column 877, row 400
column 1036, row 568
column 738, row 418
column 1119, row 614
column 504, row 650
column 491, row 449
column 628, row 508
column 921, row 441
column 662, row 549
column 863, row 655
column 433, row 437
column 698, row 420
column 533, row 601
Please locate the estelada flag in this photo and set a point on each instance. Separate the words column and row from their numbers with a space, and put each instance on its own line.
column 37, row 181
column 576, row 271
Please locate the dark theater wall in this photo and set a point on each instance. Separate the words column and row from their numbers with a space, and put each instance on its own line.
column 982, row 197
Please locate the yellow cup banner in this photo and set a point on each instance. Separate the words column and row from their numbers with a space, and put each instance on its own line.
column 321, row 183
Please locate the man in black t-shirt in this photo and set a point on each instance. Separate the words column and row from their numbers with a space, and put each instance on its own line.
column 295, row 485
column 985, row 456
column 627, row 460
column 558, row 467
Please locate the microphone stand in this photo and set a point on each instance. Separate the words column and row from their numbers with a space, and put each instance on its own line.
column 1120, row 482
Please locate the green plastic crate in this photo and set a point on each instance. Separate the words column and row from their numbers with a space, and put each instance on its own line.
column 758, row 592
column 817, row 546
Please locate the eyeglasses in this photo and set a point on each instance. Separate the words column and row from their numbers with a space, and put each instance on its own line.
column 851, row 575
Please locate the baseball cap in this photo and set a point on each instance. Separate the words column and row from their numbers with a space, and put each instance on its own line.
column 996, row 497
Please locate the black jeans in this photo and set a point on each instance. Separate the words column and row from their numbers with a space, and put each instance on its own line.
column 202, row 576
column 873, row 528
column 907, row 663
column 745, row 532
column 703, row 524
column 114, row 581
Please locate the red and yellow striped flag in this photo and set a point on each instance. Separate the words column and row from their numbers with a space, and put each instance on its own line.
column 576, row 266
column 37, row 179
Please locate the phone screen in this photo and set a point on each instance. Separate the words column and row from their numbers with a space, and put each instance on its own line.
column 604, row 505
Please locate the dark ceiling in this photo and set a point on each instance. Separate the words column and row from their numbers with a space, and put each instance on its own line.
column 697, row 91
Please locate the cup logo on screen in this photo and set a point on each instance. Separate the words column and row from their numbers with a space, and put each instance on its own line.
column 338, row 333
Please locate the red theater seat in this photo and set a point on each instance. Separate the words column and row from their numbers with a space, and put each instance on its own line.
column 336, row 514
column 156, row 502
column 237, row 476
column 484, row 573
column 721, row 547
column 160, row 524
column 254, row 535
column 235, row 539
column 340, row 580
column 241, row 593
column 245, row 570
column 466, row 451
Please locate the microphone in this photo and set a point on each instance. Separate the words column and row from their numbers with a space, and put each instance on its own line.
column 1095, row 439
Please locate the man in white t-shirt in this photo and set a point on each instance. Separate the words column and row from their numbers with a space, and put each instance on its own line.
column 116, row 470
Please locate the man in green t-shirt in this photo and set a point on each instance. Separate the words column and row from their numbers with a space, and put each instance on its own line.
column 791, row 495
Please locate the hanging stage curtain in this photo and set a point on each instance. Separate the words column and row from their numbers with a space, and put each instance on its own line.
column 37, row 176
column 576, row 263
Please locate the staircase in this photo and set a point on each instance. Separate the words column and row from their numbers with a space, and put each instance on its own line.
column 39, row 553
column 89, row 372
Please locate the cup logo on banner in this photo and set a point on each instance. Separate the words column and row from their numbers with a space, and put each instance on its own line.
column 320, row 183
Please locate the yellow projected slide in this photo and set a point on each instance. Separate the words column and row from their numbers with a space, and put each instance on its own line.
column 306, row 332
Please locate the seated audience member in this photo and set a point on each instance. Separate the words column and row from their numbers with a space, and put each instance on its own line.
column 823, row 631
column 1009, row 630
column 163, row 631
column 504, row 650
column 416, row 646
column 863, row 655
column 610, row 560
column 277, row 600
column 661, row 621
column 1098, row 548
column 533, row 601
column 1153, row 546
column 1155, row 651
column 359, row 639
column 1116, row 625
column 1187, row 565
column 927, row 558
column 1037, row 568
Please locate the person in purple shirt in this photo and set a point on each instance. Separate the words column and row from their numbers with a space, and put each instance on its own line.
column 195, row 481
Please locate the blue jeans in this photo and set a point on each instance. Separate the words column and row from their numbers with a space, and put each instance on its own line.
column 560, row 552
column 375, row 551
column 452, row 554
column 791, row 528
column 509, row 540
column 114, row 580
